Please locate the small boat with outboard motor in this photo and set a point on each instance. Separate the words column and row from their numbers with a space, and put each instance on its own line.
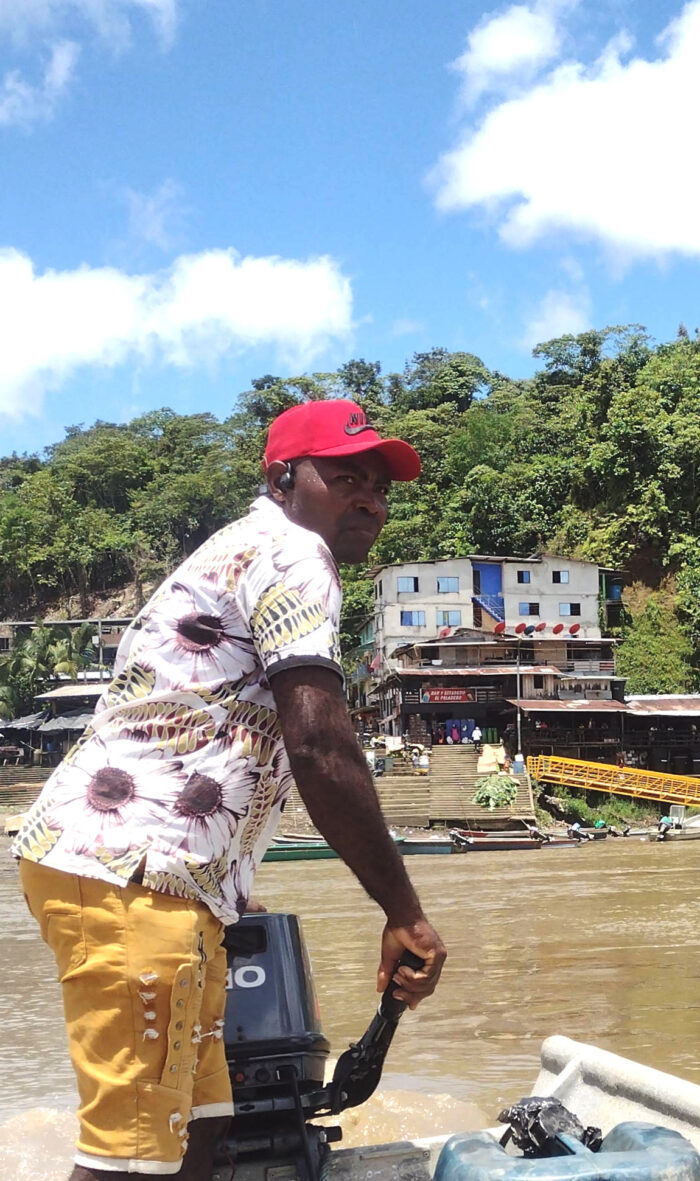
column 301, row 849
column 676, row 826
column 485, row 840
column 592, row 1115
column 471, row 841
column 312, row 848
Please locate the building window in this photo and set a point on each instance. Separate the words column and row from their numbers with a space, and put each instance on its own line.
column 404, row 585
column 528, row 608
column 447, row 586
column 523, row 575
column 560, row 576
column 4, row 643
column 569, row 608
column 449, row 618
column 538, row 682
column 413, row 618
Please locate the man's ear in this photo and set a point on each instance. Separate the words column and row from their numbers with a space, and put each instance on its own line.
column 278, row 472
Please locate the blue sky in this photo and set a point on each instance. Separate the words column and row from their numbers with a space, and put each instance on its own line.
column 197, row 192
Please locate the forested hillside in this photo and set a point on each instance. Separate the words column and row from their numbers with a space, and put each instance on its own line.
column 596, row 457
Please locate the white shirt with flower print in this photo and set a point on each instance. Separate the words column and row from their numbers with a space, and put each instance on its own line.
column 183, row 769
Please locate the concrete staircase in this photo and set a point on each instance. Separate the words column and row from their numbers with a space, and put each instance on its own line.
column 443, row 797
column 10, row 776
column 452, row 786
column 404, row 800
column 18, row 798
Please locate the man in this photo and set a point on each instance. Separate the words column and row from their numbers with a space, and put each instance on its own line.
column 476, row 739
column 147, row 837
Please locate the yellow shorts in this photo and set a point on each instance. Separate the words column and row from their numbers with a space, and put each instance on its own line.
column 143, row 977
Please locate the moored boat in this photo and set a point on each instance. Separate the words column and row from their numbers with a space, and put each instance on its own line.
column 312, row 848
column 287, row 850
column 675, row 834
column 494, row 842
column 425, row 845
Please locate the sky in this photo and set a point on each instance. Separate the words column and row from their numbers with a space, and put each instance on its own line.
column 194, row 193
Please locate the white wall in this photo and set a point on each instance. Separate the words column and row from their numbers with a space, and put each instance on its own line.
column 581, row 588
column 391, row 602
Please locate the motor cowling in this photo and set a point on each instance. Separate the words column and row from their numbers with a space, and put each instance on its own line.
column 272, row 1019
column 275, row 1049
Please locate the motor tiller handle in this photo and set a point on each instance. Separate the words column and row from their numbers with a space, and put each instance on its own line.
column 389, row 1006
column 358, row 1070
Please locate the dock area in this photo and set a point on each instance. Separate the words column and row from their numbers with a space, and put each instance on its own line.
column 440, row 798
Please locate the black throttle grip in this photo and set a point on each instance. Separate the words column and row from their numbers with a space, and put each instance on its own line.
column 389, row 1006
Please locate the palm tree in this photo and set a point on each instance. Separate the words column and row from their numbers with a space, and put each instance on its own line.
column 74, row 651
column 30, row 656
column 9, row 701
column 37, row 657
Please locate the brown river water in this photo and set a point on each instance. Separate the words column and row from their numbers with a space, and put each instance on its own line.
column 600, row 943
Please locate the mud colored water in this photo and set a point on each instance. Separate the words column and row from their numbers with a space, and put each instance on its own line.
column 600, row 943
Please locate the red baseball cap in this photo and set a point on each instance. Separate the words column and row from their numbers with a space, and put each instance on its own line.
column 335, row 427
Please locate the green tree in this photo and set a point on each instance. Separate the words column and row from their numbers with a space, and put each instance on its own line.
column 656, row 654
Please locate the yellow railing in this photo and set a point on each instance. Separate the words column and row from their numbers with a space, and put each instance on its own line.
column 620, row 781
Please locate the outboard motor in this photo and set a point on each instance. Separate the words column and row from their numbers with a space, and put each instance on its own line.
column 276, row 1052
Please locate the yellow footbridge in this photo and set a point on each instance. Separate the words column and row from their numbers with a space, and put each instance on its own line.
column 619, row 781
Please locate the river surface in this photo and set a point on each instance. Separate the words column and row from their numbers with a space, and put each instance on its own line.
column 600, row 943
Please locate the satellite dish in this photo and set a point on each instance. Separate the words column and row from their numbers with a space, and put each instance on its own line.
column 520, row 628
column 499, row 629
column 575, row 627
column 558, row 629
column 540, row 627
column 529, row 629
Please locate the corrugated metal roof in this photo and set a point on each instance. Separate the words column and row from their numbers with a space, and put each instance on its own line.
column 508, row 639
column 666, row 705
column 27, row 722
column 67, row 691
column 71, row 721
column 570, row 707
column 499, row 670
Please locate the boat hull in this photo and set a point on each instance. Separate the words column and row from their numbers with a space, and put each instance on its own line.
column 602, row 1088
column 498, row 845
column 411, row 846
column 314, row 851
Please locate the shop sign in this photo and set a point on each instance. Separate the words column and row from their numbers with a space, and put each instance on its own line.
column 439, row 696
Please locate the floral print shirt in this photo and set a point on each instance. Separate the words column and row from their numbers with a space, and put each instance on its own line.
column 183, row 769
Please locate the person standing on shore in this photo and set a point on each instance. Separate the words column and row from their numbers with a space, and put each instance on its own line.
column 228, row 687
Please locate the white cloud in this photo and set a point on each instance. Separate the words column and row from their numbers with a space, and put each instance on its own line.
column 604, row 151
column 112, row 19
column 204, row 307
column 156, row 218
column 30, row 24
column 558, row 313
column 515, row 42
column 404, row 326
column 24, row 104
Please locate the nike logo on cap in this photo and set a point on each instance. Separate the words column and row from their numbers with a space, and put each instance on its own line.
column 356, row 424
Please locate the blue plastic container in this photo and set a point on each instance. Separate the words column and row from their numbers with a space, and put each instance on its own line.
column 630, row 1152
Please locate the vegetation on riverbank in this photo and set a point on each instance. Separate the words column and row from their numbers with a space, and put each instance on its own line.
column 596, row 457
column 586, row 807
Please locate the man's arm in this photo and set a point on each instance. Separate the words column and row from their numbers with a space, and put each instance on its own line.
column 335, row 784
